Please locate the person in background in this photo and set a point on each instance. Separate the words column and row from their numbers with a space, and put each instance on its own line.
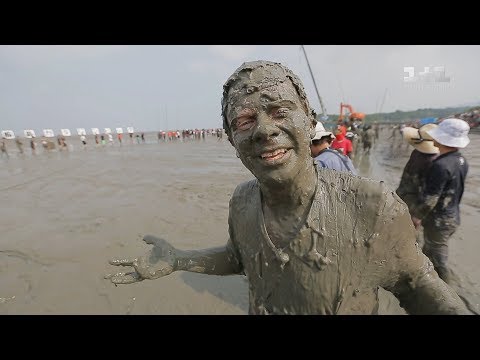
column 341, row 143
column 19, row 144
column 438, row 206
column 417, row 167
column 326, row 157
column 3, row 149
column 368, row 138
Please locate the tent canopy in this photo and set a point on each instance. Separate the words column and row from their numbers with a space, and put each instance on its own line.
column 427, row 120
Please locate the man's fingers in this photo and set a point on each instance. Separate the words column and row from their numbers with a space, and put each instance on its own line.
column 122, row 262
column 123, row 278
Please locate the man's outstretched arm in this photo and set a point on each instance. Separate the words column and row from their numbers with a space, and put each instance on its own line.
column 410, row 275
column 163, row 259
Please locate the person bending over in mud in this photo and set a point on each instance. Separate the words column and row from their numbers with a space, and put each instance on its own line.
column 309, row 240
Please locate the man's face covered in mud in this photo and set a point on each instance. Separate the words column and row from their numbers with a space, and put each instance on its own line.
column 265, row 114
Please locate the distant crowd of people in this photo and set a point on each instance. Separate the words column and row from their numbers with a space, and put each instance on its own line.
column 103, row 139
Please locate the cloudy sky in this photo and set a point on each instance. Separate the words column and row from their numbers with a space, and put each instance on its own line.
column 159, row 86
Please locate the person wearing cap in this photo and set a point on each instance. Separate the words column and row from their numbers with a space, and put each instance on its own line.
column 416, row 169
column 308, row 240
column 326, row 157
column 438, row 207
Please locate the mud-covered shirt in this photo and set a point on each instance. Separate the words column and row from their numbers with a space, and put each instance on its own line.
column 413, row 177
column 439, row 204
column 358, row 236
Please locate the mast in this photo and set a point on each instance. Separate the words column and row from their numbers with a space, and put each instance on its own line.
column 383, row 100
column 324, row 111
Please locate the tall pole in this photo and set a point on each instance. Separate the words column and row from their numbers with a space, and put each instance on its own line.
column 166, row 118
column 324, row 111
column 383, row 100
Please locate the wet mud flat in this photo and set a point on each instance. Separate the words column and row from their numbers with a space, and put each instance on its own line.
column 65, row 213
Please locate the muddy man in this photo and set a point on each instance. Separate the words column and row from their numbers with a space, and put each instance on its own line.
column 309, row 240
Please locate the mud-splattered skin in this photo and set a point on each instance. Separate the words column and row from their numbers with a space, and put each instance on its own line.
column 265, row 114
column 309, row 242
column 271, row 128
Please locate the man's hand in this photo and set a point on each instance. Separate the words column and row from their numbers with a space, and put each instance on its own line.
column 158, row 262
column 416, row 222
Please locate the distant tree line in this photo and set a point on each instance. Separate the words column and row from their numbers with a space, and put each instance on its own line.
column 407, row 116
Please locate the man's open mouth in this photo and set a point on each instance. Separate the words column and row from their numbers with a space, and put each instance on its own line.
column 275, row 156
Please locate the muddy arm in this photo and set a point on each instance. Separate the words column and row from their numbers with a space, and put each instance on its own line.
column 422, row 292
column 212, row 261
column 410, row 275
column 163, row 259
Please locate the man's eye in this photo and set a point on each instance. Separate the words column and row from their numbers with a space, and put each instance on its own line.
column 280, row 112
column 245, row 123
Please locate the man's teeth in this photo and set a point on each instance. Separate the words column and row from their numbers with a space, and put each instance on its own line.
column 274, row 153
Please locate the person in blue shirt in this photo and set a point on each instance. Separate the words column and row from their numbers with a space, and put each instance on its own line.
column 326, row 157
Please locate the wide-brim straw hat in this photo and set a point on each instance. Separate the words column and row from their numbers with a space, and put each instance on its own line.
column 420, row 139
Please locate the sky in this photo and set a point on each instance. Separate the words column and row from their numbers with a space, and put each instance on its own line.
column 159, row 87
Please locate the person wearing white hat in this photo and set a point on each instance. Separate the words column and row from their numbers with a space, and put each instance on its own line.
column 420, row 161
column 438, row 207
column 326, row 157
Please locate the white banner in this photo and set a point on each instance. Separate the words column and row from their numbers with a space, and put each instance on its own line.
column 65, row 132
column 29, row 133
column 81, row 131
column 130, row 130
column 8, row 134
column 95, row 131
column 119, row 130
column 48, row 133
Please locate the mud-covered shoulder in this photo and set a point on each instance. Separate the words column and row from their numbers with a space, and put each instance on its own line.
column 364, row 208
column 373, row 196
column 244, row 193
